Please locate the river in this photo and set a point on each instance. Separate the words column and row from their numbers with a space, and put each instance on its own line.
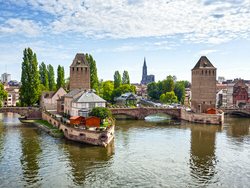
column 157, row 152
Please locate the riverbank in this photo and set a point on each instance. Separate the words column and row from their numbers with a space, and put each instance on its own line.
column 44, row 125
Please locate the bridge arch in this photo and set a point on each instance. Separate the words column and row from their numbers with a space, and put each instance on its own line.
column 141, row 113
column 28, row 112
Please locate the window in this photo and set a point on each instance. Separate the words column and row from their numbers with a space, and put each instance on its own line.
column 46, row 101
column 99, row 104
column 203, row 102
column 84, row 105
column 55, row 101
column 72, row 113
column 91, row 105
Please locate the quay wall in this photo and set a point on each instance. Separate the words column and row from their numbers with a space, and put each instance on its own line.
column 51, row 120
column 217, row 119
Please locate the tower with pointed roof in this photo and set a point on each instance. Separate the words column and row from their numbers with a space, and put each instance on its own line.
column 203, row 86
column 146, row 79
column 144, row 68
column 79, row 73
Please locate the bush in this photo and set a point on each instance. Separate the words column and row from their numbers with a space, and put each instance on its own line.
column 100, row 112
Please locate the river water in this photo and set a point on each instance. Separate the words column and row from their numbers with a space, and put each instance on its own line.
column 157, row 152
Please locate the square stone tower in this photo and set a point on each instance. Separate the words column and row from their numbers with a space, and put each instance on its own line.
column 79, row 73
column 203, row 86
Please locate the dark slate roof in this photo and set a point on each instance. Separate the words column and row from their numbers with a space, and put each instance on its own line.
column 88, row 97
column 74, row 92
column 127, row 95
column 80, row 61
column 48, row 94
column 203, row 63
column 61, row 98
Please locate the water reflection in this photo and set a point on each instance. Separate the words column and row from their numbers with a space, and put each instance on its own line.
column 86, row 159
column 31, row 151
column 202, row 153
column 238, row 129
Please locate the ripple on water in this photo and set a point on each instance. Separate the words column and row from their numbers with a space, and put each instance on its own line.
column 143, row 154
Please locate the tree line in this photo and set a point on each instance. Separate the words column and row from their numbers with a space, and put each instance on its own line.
column 35, row 80
column 168, row 90
column 114, row 88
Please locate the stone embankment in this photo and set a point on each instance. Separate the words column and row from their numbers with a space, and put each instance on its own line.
column 48, row 130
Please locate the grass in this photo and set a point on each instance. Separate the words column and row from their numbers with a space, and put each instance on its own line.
column 58, row 131
column 105, row 124
column 45, row 123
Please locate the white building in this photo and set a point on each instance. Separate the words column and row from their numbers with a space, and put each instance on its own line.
column 82, row 104
column 5, row 78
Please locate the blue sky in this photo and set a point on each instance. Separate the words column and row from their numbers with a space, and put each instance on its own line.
column 172, row 35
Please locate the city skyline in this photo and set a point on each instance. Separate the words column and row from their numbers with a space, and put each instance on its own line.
column 171, row 35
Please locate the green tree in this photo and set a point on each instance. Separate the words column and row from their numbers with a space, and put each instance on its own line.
column 108, row 88
column 125, row 88
column 125, row 78
column 174, row 78
column 160, row 86
column 133, row 88
column 3, row 94
column 67, row 84
column 100, row 87
column 30, row 89
column 168, row 85
column 152, row 90
column 60, row 82
column 170, row 97
column 43, row 88
column 101, row 112
column 93, row 73
column 185, row 83
column 117, row 79
column 179, row 90
column 51, row 78
column 63, row 77
column 44, row 76
column 162, row 97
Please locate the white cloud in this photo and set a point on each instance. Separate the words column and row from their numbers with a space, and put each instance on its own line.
column 205, row 52
column 27, row 28
column 204, row 21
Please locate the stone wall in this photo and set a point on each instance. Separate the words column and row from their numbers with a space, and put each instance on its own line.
column 202, row 118
column 50, row 120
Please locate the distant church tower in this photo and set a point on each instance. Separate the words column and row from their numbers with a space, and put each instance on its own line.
column 79, row 73
column 144, row 68
column 146, row 79
column 203, row 86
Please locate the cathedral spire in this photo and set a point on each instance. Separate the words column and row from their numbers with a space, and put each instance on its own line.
column 144, row 69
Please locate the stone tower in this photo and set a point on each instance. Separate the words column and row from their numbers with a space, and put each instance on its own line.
column 203, row 86
column 79, row 73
